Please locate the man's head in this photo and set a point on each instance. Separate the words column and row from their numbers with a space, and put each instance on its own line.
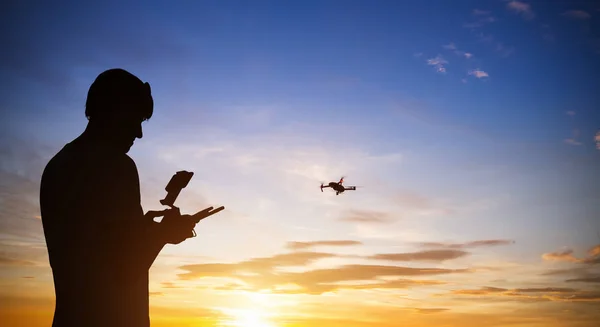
column 117, row 104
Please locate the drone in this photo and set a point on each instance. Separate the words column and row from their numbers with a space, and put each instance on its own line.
column 338, row 187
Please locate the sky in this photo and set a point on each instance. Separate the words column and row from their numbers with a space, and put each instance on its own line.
column 471, row 129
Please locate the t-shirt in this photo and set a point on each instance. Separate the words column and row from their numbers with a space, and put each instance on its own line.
column 100, row 246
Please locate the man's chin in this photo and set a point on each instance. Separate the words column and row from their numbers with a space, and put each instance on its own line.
column 126, row 148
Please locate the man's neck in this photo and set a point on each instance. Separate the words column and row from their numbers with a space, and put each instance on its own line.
column 93, row 137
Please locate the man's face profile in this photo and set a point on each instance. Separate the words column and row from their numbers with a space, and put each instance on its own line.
column 123, row 125
column 118, row 103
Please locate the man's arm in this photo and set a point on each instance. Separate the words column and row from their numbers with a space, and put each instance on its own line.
column 126, row 240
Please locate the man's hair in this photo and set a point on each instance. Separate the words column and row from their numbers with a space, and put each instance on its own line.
column 118, row 86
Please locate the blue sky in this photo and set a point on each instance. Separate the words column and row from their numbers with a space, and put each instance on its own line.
column 462, row 120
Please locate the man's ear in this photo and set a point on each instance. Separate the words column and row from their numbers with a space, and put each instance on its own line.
column 147, row 88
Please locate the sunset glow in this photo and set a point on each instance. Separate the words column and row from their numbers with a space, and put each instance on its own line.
column 470, row 128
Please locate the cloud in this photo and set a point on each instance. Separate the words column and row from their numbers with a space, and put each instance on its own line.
column 592, row 279
column 441, row 314
column 366, row 216
column 265, row 273
column 438, row 62
column 306, row 245
column 577, row 14
column 566, row 255
column 452, row 47
column 521, row 8
column 580, row 270
column 597, row 140
column 570, row 113
column 428, row 255
column 574, row 139
column 555, row 294
column 595, row 251
column 478, row 73
column 467, row 245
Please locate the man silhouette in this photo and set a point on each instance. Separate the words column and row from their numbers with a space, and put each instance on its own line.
column 100, row 243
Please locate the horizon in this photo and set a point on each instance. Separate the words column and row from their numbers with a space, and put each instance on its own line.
column 471, row 129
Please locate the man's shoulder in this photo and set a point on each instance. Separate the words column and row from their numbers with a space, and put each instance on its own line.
column 72, row 158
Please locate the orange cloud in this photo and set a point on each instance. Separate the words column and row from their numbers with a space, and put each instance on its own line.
column 305, row 245
column 556, row 294
column 262, row 273
column 472, row 244
column 430, row 255
column 521, row 8
column 567, row 255
column 592, row 279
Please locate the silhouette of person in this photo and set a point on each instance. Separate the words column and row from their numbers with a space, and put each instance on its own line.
column 100, row 243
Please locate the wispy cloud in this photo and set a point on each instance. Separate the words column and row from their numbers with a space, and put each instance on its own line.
column 577, row 14
column 521, row 8
column 564, row 255
column 314, row 281
column 427, row 255
column 567, row 255
column 452, row 47
column 478, row 73
column 597, row 140
column 534, row 294
column 573, row 140
column 472, row 244
column 593, row 279
column 306, row 245
column 438, row 62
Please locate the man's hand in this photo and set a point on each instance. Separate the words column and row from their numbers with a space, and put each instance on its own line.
column 206, row 213
column 177, row 227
